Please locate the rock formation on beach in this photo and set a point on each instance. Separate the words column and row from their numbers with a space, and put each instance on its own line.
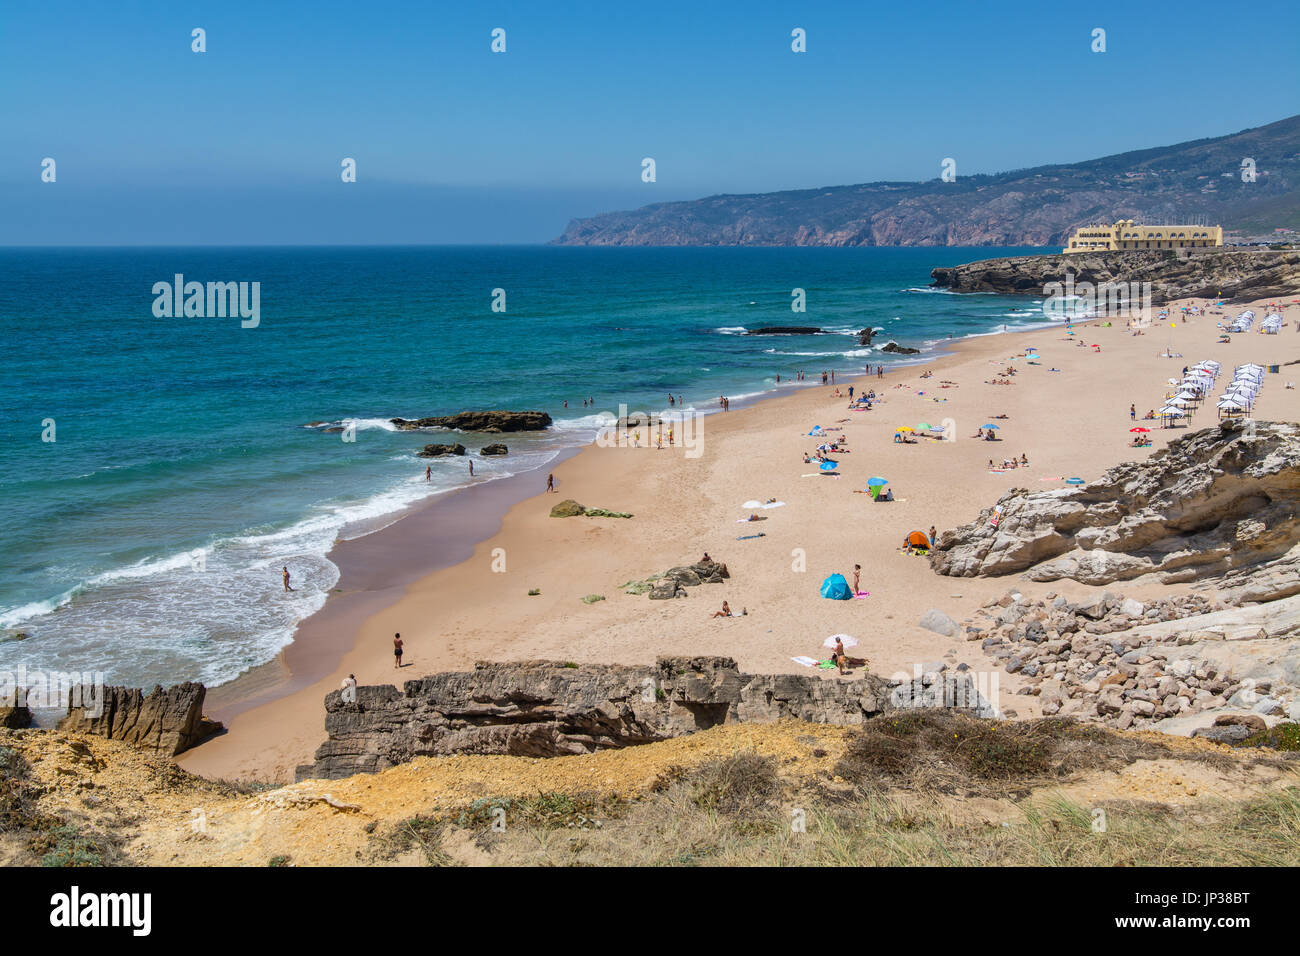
column 674, row 582
column 895, row 349
column 1233, row 274
column 1222, row 502
column 494, row 449
column 492, row 422
column 549, row 708
column 1130, row 664
column 167, row 721
column 439, row 450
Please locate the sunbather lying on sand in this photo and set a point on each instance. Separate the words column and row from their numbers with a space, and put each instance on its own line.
column 843, row 661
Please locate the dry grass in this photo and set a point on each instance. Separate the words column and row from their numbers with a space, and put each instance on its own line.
column 901, row 796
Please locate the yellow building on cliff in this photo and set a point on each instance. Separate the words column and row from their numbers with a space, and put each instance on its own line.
column 1126, row 235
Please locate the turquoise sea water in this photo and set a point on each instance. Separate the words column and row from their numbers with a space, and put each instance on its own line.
column 146, row 540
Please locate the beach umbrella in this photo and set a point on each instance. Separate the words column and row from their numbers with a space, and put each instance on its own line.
column 1139, row 429
column 877, row 482
column 829, row 465
column 848, row 641
column 994, row 427
column 905, row 428
column 923, row 427
column 1074, row 481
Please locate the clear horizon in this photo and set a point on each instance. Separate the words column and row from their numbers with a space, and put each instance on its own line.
column 242, row 144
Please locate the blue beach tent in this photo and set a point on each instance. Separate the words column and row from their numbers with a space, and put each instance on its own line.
column 836, row 588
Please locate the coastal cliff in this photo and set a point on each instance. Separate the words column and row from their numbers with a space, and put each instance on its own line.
column 551, row 709
column 1235, row 275
column 1027, row 207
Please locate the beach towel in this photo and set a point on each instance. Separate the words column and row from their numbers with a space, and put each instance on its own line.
column 805, row 661
column 750, row 537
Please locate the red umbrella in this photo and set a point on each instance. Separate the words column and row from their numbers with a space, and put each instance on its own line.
column 1139, row 429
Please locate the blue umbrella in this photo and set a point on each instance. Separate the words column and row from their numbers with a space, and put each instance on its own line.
column 830, row 465
column 877, row 482
column 992, row 426
column 1075, row 481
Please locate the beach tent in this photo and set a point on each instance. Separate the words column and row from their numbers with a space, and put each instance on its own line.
column 836, row 588
column 919, row 539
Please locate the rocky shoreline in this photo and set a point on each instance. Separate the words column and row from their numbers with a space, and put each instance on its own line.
column 1231, row 274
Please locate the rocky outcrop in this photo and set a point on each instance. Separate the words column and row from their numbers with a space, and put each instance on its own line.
column 1229, row 273
column 497, row 421
column 568, row 508
column 865, row 336
column 438, row 451
column 495, row 449
column 548, row 708
column 787, row 330
column 166, row 721
column 1221, row 502
column 1130, row 664
column 674, row 582
column 896, row 349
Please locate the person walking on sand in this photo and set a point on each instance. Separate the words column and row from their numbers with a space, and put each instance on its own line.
column 397, row 650
column 933, row 534
column 1132, row 413
column 550, row 482
column 285, row 575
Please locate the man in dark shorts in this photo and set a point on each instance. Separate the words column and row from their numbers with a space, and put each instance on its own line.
column 397, row 650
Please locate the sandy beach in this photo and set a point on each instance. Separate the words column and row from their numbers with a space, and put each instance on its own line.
column 1068, row 413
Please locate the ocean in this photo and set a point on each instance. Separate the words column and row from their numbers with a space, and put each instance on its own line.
column 158, row 471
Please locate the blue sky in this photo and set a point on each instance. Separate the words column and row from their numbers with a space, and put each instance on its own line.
column 242, row 144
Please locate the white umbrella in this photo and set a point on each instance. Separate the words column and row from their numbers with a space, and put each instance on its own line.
column 848, row 641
